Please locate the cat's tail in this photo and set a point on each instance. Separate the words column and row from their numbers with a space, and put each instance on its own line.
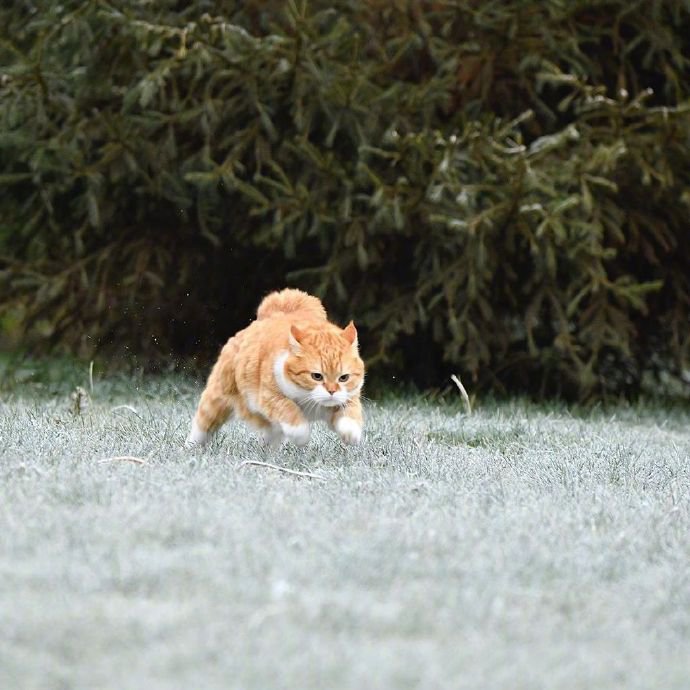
column 289, row 301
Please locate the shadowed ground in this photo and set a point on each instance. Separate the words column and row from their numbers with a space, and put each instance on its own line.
column 522, row 547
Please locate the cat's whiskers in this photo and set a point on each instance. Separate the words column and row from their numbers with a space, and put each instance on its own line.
column 311, row 405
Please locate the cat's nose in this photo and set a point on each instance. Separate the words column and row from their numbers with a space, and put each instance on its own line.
column 331, row 388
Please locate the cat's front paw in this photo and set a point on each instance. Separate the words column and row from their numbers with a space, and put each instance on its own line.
column 349, row 430
column 273, row 437
column 299, row 434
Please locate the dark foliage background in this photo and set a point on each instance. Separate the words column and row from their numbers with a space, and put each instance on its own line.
column 499, row 189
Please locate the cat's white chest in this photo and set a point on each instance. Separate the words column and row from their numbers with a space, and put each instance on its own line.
column 315, row 414
column 287, row 387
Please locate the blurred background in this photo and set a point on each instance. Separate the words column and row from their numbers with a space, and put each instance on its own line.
column 495, row 189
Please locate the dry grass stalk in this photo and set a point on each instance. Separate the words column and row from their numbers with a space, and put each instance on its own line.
column 282, row 469
column 124, row 458
column 129, row 408
column 463, row 392
column 79, row 401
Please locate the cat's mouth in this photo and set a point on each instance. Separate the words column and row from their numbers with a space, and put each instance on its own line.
column 331, row 403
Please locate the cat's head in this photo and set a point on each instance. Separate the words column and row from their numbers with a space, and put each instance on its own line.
column 324, row 365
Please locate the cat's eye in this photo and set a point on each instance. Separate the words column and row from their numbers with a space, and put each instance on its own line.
column 343, row 377
column 317, row 376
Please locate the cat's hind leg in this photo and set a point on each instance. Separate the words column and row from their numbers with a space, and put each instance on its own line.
column 213, row 411
column 217, row 402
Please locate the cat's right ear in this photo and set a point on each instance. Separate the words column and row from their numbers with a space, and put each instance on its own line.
column 350, row 333
column 295, row 339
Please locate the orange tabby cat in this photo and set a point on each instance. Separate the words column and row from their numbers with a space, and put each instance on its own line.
column 287, row 369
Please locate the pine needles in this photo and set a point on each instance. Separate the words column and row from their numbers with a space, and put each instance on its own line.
column 503, row 186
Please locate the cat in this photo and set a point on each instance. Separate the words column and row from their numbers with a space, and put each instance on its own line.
column 289, row 368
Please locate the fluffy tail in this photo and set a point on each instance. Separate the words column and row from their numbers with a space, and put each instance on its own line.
column 288, row 301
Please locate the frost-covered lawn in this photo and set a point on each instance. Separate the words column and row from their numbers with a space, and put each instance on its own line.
column 522, row 547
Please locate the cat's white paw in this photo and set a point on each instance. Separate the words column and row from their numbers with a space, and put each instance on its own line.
column 273, row 437
column 349, row 430
column 196, row 437
column 299, row 434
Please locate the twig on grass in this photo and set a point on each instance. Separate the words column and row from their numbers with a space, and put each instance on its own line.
column 463, row 392
column 129, row 408
column 124, row 458
column 282, row 469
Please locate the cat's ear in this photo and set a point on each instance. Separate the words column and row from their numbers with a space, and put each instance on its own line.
column 350, row 333
column 296, row 336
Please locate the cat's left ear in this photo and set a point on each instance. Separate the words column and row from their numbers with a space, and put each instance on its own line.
column 350, row 333
column 296, row 336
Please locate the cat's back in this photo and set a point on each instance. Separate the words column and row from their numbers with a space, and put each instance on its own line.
column 291, row 302
column 256, row 347
column 277, row 312
column 272, row 334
